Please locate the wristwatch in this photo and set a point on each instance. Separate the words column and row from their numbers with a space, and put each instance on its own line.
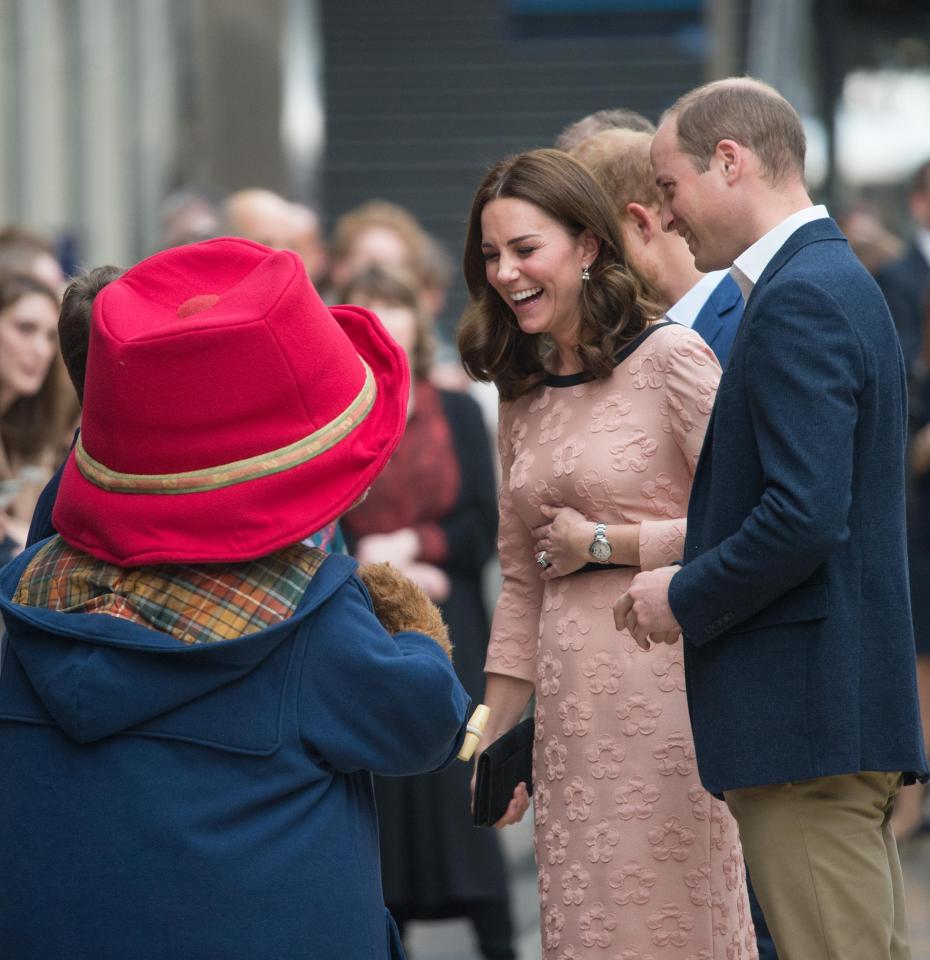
column 600, row 547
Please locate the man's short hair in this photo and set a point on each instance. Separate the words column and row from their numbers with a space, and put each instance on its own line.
column 595, row 123
column 74, row 320
column 619, row 161
column 748, row 111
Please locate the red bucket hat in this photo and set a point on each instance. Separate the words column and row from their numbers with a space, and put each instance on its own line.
column 228, row 412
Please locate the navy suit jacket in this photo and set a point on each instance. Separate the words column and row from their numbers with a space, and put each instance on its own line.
column 793, row 594
column 906, row 285
column 718, row 320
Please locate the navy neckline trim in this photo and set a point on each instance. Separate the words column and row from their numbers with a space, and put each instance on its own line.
column 574, row 379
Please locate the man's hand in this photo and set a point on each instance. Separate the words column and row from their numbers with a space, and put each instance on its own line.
column 644, row 609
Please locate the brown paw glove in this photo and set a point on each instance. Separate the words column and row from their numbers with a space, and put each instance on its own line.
column 401, row 605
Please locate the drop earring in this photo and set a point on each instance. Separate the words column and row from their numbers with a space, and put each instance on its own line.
column 584, row 273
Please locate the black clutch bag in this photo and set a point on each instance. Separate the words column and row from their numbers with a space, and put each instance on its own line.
column 503, row 765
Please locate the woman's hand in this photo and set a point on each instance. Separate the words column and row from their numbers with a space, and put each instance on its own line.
column 564, row 540
column 506, row 697
column 516, row 808
column 400, row 548
column 429, row 578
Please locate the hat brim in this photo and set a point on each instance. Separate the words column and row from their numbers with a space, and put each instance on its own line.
column 255, row 518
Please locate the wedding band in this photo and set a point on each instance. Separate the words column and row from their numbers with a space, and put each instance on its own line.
column 541, row 560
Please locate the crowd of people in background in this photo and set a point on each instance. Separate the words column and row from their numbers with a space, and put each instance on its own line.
column 433, row 511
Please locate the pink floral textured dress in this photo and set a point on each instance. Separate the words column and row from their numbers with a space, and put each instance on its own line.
column 636, row 860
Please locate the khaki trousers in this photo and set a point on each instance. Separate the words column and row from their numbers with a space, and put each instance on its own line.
column 825, row 865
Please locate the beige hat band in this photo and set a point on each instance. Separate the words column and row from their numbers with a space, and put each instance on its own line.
column 240, row 471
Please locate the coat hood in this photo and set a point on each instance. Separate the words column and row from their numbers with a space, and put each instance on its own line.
column 95, row 675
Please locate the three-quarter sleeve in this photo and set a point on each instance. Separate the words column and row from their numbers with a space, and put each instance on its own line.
column 515, row 629
column 690, row 374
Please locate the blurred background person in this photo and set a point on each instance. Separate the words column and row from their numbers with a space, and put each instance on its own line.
column 872, row 242
column 24, row 251
column 377, row 232
column 260, row 215
column 307, row 241
column 188, row 215
column 910, row 816
column 266, row 217
column 432, row 513
column 31, row 402
column 595, row 123
column 905, row 281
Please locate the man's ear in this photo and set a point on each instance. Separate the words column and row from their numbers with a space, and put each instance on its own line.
column 642, row 220
column 731, row 159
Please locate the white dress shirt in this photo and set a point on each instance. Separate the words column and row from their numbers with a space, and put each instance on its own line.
column 922, row 239
column 685, row 310
column 750, row 264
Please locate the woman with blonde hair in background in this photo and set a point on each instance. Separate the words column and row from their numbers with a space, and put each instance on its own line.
column 603, row 412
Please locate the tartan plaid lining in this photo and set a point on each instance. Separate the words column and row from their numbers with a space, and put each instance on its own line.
column 202, row 603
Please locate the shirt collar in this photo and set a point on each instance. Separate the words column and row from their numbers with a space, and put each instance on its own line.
column 751, row 263
column 686, row 310
column 922, row 239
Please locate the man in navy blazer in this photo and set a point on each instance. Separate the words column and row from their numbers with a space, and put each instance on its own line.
column 793, row 593
column 718, row 320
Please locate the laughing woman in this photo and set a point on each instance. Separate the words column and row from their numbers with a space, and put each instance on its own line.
column 602, row 417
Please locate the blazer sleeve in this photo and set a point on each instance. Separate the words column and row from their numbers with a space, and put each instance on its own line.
column 371, row 701
column 515, row 628
column 804, row 369
column 691, row 377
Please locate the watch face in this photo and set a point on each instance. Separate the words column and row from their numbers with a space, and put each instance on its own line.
column 601, row 550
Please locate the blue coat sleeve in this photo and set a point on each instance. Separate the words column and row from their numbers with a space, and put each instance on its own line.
column 371, row 701
column 804, row 368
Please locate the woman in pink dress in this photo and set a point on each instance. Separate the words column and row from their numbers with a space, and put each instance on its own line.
column 603, row 411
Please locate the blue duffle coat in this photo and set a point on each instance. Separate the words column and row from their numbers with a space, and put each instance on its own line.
column 213, row 801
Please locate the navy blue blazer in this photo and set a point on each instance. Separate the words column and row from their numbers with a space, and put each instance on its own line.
column 793, row 595
column 718, row 320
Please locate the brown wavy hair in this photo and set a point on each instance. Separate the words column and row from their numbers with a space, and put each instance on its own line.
column 614, row 304
column 36, row 421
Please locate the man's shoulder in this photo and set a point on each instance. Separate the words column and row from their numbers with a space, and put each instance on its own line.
column 822, row 266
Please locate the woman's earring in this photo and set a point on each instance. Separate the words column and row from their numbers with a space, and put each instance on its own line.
column 584, row 273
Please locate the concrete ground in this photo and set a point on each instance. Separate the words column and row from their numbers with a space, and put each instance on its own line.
column 452, row 939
